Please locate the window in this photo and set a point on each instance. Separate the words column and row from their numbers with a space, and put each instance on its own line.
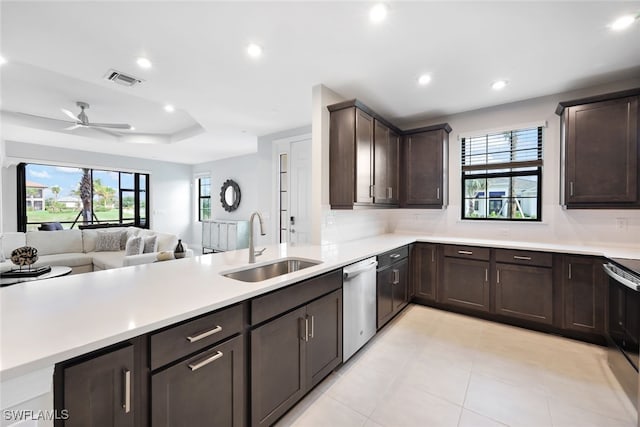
column 502, row 176
column 80, row 196
column 204, row 198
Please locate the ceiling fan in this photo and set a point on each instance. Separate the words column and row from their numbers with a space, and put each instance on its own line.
column 82, row 121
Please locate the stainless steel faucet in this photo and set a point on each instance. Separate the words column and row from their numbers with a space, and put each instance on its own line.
column 252, row 251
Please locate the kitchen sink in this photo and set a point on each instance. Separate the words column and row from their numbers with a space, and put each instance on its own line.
column 273, row 269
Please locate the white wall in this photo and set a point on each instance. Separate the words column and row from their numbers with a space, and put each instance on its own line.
column 558, row 225
column 170, row 206
column 255, row 174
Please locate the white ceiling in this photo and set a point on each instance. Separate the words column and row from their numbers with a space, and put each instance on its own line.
column 58, row 53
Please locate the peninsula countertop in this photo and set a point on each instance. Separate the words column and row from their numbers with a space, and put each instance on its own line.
column 49, row 321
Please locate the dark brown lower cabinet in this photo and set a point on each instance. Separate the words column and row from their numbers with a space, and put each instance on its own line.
column 291, row 354
column 524, row 292
column 465, row 283
column 99, row 392
column 393, row 290
column 204, row 390
column 424, row 271
column 583, row 294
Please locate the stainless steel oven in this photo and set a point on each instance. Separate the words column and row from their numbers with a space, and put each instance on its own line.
column 623, row 323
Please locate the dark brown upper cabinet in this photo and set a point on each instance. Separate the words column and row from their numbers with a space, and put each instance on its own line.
column 424, row 166
column 365, row 161
column 600, row 151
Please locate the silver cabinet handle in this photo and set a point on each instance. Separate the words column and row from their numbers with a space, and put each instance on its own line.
column 126, row 405
column 312, row 327
column 438, row 193
column 305, row 328
column 205, row 361
column 571, row 188
column 465, row 252
column 523, row 258
column 433, row 255
column 394, row 256
column 391, row 192
column 498, row 277
column 396, row 277
column 569, row 270
column 486, row 275
column 198, row 337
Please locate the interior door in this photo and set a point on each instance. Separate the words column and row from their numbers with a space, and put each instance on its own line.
column 300, row 192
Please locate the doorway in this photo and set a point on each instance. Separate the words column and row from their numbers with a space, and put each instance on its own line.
column 293, row 198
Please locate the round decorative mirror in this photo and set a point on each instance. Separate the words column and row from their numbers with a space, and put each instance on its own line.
column 230, row 195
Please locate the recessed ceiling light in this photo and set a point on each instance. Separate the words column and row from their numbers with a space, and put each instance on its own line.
column 254, row 50
column 2, row 60
column 143, row 63
column 499, row 84
column 169, row 108
column 424, row 79
column 132, row 128
column 623, row 22
column 378, row 12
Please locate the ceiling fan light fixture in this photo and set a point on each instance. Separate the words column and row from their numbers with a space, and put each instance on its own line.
column 169, row 108
column 622, row 23
column 144, row 63
column 424, row 79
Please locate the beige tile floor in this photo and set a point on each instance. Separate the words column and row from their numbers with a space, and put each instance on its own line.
column 435, row 368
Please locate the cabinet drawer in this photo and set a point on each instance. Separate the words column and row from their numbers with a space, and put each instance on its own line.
column 470, row 252
column 194, row 335
column 280, row 301
column 540, row 259
column 388, row 258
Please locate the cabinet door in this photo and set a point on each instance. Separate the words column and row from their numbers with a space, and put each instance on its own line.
column 232, row 236
column 385, row 296
column 583, row 294
column 400, row 285
column 364, row 157
column 205, row 390
column 324, row 348
column 424, row 271
column 278, row 367
column 423, row 168
column 386, row 157
column 215, row 236
column 465, row 284
column 524, row 292
column 206, row 235
column 99, row 392
column 223, row 234
column 602, row 152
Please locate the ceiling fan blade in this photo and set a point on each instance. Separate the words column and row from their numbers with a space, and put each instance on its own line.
column 73, row 127
column 110, row 125
column 70, row 114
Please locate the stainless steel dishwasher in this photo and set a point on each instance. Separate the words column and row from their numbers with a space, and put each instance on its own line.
column 358, row 305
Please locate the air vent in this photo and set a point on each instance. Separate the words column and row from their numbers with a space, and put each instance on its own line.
column 121, row 78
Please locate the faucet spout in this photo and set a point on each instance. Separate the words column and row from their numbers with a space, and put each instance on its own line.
column 252, row 251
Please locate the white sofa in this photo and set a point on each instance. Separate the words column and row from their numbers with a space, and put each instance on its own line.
column 77, row 248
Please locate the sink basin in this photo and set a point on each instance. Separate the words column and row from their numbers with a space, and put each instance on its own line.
column 273, row 269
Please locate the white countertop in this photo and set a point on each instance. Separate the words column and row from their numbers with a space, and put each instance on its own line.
column 49, row 321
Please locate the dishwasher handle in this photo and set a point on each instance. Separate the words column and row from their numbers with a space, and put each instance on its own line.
column 350, row 273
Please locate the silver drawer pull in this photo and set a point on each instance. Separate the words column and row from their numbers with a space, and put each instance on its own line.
column 198, row 337
column 206, row 361
column 394, row 256
column 126, row 405
column 465, row 252
column 524, row 258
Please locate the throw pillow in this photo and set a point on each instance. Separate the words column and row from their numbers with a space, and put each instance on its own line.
column 126, row 234
column 164, row 256
column 134, row 246
column 150, row 244
column 108, row 241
